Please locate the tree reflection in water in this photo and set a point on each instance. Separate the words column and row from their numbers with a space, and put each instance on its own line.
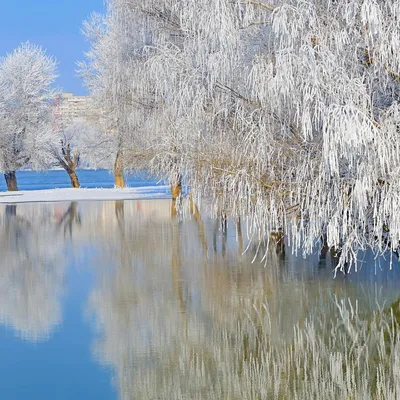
column 181, row 313
column 69, row 219
column 32, row 272
column 177, row 323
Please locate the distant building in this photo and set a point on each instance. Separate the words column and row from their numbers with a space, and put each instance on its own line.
column 71, row 109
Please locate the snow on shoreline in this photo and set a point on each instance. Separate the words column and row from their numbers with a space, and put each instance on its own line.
column 57, row 195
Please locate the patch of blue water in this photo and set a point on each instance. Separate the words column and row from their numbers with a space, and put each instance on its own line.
column 58, row 179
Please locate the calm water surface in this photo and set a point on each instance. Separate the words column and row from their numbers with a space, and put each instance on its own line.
column 34, row 180
column 118, row 300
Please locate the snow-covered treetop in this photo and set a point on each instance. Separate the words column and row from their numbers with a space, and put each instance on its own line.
column 26, row 94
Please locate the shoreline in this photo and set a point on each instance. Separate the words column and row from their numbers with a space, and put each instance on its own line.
column 83, row 194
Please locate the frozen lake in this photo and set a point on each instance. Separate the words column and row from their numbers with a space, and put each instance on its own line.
column 118, row 300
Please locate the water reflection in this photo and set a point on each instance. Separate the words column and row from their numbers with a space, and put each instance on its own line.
column 32, row 273
column 179, row 312
column 178, row 319
column 70, row 219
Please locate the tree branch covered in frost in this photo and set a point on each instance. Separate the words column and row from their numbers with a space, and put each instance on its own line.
column 79, row 144
column 106, row 73
column 286, row 111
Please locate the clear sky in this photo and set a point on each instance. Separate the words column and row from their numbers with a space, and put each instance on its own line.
column 53, row 24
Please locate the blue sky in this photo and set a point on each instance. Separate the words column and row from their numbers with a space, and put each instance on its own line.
column 53, row 24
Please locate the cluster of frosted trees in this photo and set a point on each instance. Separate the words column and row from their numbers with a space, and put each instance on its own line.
column 29, row 136
column 284, row 111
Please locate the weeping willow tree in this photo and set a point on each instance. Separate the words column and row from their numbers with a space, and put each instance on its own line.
column 106, row 74
column 286, row 112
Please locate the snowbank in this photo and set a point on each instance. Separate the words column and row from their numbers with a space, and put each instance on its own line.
column 54, row 195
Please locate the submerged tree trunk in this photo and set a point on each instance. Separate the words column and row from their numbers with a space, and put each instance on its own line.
column 239, row 236
column 176, row 187
column 119, row 171
column 11, row 181
column 176, row 191
column 194, row 210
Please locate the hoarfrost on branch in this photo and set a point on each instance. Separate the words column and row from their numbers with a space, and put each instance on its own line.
column 286, row 112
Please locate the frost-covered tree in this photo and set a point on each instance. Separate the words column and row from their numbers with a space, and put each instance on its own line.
column 67, row 153
column 284, row 111
column 107, row 76
column 79, row 144
column 26, row 78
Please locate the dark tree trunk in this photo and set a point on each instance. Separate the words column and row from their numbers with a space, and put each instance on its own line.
column 11, row 181
column 239, row 236
column 69, row 162
column 74, row 179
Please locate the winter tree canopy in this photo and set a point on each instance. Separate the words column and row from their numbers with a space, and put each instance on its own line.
column 106, row 74
column 26, row 77
column 286, row 112
column 79, row 144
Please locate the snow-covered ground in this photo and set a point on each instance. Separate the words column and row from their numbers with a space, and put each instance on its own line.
column 69, row 194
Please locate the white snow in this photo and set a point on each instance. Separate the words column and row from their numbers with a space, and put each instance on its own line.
column 56, row 195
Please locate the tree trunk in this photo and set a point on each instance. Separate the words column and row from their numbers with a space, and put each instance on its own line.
column 176, row 188
column 11, row 181
column 176, row 191
column 74, row 179
column 119, row 171
column 239, row 236
column 70, row 164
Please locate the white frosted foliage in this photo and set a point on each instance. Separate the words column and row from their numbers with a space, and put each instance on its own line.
column 26, row 96
column 285, row 112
